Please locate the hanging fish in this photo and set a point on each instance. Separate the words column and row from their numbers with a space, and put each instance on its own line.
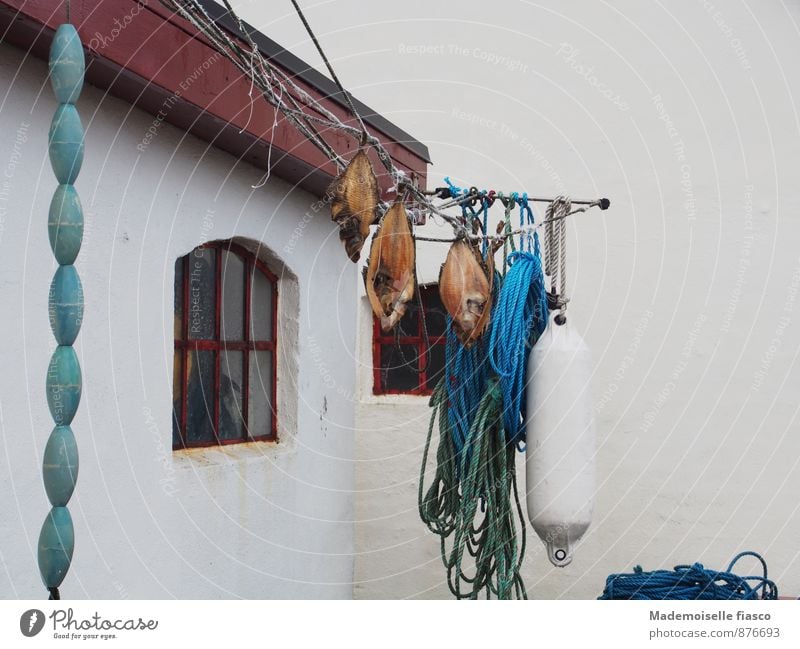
column 465, row 286
column 354, row 198
column 389, row 276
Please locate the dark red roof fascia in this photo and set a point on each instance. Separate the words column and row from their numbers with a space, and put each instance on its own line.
column 142, row 53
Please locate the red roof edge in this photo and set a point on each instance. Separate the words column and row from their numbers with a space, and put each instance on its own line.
column 141, row 53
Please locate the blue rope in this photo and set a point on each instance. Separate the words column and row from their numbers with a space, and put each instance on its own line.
column 531, row 241
column 467, row 373
column 518, row 319
column 466, row 379
column 691, row 582
column 467, row 211
column 456, row 192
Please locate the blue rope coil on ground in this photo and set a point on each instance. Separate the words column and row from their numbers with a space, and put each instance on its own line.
column 691, row 582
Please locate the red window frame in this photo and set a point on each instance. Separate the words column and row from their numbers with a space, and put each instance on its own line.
column 418, row 340
column 185, row 345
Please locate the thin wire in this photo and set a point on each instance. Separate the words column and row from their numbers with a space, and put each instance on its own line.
column 276, row 94
column 330, row 67
column 197, row 16
column 68, row 10
column 304, row 112
column 274, row 83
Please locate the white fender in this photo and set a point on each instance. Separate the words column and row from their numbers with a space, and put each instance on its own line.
column 559, row 460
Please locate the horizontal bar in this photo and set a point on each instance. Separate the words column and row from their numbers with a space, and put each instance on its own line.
column 502, row 235
column 225, row 442
column 206, row 345
column 602, row 203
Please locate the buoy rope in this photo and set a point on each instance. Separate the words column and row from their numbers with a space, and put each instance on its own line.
column 556, row 250
column 691, row 582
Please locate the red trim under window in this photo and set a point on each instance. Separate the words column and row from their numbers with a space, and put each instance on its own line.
column 184, row 346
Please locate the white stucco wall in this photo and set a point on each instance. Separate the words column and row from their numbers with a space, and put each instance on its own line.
column 256, row 520
column 686, row 290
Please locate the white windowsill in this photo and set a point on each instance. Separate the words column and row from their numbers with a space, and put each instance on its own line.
column 216, row 456
column 395, row 399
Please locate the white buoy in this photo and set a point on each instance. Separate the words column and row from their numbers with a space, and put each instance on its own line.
column 559, row 461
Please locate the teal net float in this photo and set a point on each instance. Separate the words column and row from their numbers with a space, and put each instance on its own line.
column 65, row 308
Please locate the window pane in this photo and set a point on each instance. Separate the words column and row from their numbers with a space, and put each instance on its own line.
column 232, row 314
column 435, row 314
column 178, row 320
column 177, row 385
column 400, row 367
column 409, row 323
column 231, row 425
column 202, row 293
column 200, row 411
column 260, row 405
column 435, row 365
column 261, row 307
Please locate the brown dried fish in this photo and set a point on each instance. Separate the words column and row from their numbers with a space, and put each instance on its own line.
column 389, row 276
column 465, row 286
column 354, row 198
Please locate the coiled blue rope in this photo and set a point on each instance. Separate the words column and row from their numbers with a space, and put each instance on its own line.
column 691, row 582
column 466, row 378
column 518, row 319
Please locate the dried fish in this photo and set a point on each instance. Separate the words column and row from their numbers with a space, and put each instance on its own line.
column 390, row 275
column 465, row 286
column 354, row 198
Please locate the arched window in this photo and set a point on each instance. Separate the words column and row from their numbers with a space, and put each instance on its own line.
column 224, row 383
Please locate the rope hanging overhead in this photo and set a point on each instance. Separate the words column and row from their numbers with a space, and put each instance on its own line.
column 279, row 90
column 311, row 118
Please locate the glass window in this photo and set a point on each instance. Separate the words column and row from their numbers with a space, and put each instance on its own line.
column 404, row 361
column 224, row 371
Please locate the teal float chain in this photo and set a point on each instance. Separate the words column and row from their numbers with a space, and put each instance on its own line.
column 65, row 306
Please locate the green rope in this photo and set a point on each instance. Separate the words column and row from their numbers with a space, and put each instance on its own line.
column 481, row 531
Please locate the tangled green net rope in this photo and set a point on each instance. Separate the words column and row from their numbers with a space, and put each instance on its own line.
column 472, row 502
